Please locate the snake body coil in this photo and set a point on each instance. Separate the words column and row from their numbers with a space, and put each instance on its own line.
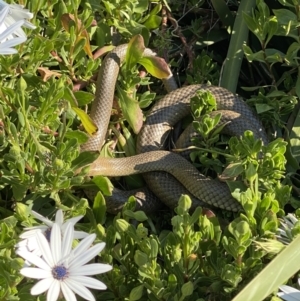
column 167, row 174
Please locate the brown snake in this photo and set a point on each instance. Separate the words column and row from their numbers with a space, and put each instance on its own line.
column 167, row 174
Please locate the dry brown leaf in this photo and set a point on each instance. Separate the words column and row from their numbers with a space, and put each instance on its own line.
column 46, row 73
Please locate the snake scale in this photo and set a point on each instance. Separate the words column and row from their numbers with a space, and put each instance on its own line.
column 167, row 174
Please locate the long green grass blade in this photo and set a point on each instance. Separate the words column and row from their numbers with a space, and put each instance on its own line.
column 232, row 66
column 224, row 13
column 284, row 265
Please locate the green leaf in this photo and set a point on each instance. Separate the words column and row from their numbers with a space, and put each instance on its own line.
column 294, row 136
column 251, row 172
column 88, row 124
column 272, row 25
column 286, row 3
column 83, row 97
column 235, row 52
column 141, row 6
column 250, row 21
column 274, row 55
column 19, row 191
column 84, row 159
column 69, row 95
column 99, row 208
column 154, row 248
column 140, row 258
column 81, row 137
column 224, row 13
column 232, row 171
column 140, row 216
column 153, row 22
column 156, row 66
column 187, row 289
column 284, row 16
column 231, row 274
column 257, row 56
column 136, row 293
column 262, row 107
column 274, row 274
column 104, row 184
column 134, row 51
column 131, row 111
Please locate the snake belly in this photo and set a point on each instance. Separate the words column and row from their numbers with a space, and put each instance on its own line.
column 167, row 174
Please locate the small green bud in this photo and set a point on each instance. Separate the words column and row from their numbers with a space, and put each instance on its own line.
column 243, row 227
column 177, row 254
column 122, row 225
column 15, row 151
column 141, row 231
column 58, row 164
column 77, row 180
column 185, row 202
column 172, row 280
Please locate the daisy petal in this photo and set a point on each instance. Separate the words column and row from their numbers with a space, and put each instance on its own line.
column 90, row 269
column 42, row 218
column 59, row 217
column 34, row 259
column 19, row 12
column 55, row 243
column 288, row 289
column 89, row 282
column 289, row 293
column 11, row 29
column 53, row 291
column 80, row 234
column 79, row 289
column 13, row 42
column 41, row 286
column 3, row 13
column 292, row 218
column 67, row 292
column 6, row 51
column 85, row 257
column 74, row 220
column 68, row 240
column 84, row 245
column 29, row 25
column 31, row 231
column 45, row 248
column 288, row 297
column 35, row 273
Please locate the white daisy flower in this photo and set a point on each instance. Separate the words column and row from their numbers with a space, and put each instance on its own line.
column 63, row 270
column 289, row 293
column 16, row 13
column 7, row 38
column 12, row 17
column 29, row 236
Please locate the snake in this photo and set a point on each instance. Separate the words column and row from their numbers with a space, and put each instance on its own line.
column 167, row 174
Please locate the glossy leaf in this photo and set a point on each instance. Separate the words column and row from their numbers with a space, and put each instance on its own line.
column 156, row 66
column 134, row 51
column 131, row 111
column 104, row 184
column 86, row 120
